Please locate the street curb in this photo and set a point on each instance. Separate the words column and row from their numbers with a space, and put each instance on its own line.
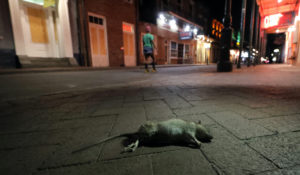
column 69, row 69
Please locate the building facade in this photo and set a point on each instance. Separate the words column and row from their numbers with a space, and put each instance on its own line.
column 111, row 32
column 8, row 57
column 42, row 35
column 178, row 35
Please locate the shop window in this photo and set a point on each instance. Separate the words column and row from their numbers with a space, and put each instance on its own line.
column 173, row 49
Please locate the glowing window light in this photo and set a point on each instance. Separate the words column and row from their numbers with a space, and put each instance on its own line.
column 161, row 19
column 207, row 45
column 187, row 28
column 279, row 1
column 173, row 25
column 195, row 31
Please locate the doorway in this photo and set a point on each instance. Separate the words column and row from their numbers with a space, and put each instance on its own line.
column 98, row 40
column 129, row 44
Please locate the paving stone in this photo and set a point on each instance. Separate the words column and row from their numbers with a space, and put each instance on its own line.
column 27, row 140
column 256, row 102
column 23, row 161
column 94, row 131
column 239, row 126
column 184, row 93
column 198, row 109
column 282, row 149
column 186, row 161
column 157, row 110
column 288, row 171
column 129, row 120
column 205, row 120
column 126, row 166
column 113, row 150
column 281, row 124
column 150, row 94
column 279, row 110
column 173, row 99
column 245, row 111
column 231, row 155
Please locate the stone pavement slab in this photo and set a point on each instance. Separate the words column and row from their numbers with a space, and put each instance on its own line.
column 90, row 132
column 232, row 156
column 282, row 149
column 179, row 162
column 126, row 166
column 287, row 171
column 239, row 126
column 158, row 110
column 281, row 124
column 24, row 160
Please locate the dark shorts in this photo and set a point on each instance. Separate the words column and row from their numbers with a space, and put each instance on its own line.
column 148, row 51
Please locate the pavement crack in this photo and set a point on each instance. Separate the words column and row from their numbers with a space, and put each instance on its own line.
column 65, row 166
column 265, row 157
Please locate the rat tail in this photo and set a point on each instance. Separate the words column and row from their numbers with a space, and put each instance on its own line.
column 102, row 141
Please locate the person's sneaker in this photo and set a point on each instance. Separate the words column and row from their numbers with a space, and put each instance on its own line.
column 153, row 70
column 146, row 71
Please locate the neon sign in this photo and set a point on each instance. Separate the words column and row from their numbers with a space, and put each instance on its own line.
column 272, row 20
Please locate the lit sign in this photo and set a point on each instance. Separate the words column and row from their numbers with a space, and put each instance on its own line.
column 127, row 28
column 278, row 20
column 272, row 20
column 185, row 35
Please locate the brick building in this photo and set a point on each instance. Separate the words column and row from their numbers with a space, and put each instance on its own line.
column 178, row 28
column 111, row 29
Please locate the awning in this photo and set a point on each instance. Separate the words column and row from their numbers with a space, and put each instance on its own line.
column 270, row 7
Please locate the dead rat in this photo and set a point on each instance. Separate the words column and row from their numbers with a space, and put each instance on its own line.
column 169, row 132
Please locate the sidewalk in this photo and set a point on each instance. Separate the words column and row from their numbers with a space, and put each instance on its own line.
column 253, row 115
column 80, row 68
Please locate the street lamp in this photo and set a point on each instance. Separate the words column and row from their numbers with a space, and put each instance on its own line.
column 224, row 64
column 242, row 29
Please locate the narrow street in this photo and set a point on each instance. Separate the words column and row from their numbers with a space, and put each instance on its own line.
column 253, row 114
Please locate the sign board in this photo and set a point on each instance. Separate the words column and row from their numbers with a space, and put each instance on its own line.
column 186, row 35
column 278, row 20
column 49, row 3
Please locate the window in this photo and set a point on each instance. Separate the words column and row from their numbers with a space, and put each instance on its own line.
column 95, row 20
column 173, row 49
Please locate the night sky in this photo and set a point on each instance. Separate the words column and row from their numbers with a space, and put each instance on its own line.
column 217, row 10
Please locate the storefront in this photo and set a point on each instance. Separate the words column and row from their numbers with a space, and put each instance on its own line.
column 203, row 50
column 282, row 19
column 42, row 33
column 176, row 40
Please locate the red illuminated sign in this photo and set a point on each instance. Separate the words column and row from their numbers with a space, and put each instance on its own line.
column 272, row 20
column 278, row 20
column 127, row 28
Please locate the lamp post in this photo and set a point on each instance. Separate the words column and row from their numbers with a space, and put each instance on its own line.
column 242, row 29
column 224, row 64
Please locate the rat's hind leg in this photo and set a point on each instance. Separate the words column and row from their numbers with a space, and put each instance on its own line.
column 132, row 147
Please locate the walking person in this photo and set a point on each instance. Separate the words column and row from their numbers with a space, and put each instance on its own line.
column 149, row 47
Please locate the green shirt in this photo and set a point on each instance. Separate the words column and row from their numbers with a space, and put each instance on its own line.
column 147, row 40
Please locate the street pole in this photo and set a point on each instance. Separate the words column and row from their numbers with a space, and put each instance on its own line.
column 256, row 35
column 251, row 33
column 242, row 31
column 224, row 64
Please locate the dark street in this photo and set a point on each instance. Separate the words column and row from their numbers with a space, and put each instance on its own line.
column 252, row 113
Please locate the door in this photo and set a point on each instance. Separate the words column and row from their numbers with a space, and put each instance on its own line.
column 98, row 40
column 40, row 30
column 180, row 53
column 129, row 44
